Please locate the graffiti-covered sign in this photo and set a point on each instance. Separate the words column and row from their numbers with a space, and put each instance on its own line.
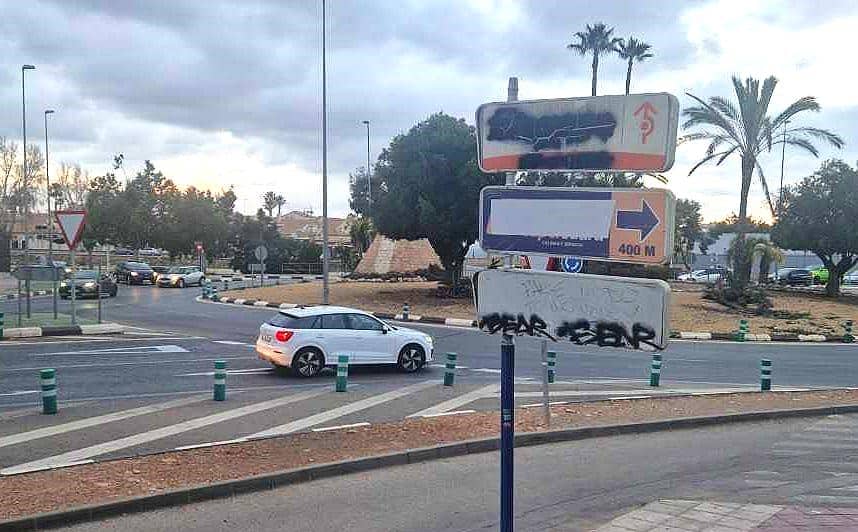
column 583, row 309
column 632, row 133
column 626, row 225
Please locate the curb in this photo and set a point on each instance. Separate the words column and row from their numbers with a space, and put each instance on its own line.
column 459, row 322
column 34, row 293
column 71, row 330
column 269, row 481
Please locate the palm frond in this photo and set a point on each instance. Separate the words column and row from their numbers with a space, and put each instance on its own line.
column 765, row 186
column 704, row 161
column 725, row 106
column 706, row 114
column 807, row 103
column 726, row 154
column 819, row 134
column 766, row 97
column 803, row 144
column 661, row 178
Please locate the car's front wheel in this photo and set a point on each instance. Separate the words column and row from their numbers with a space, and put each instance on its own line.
column 181, row 283
column 307, row 363
column 411, row 358
column 202, row 281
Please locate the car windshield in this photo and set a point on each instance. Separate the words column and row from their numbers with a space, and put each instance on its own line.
column 139, row 266
column 176, row 269
column 86, row 274
column 289, row 321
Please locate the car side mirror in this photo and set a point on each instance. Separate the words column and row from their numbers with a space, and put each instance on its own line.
column 384, row 330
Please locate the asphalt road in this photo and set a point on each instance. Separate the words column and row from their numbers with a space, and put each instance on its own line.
column 569, row 486
column 165, row 365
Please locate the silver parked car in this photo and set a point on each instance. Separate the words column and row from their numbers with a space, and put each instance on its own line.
column 180, row 277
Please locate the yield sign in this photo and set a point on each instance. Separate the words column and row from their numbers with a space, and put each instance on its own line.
column 71, row 224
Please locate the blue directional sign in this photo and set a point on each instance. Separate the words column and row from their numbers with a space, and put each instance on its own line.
column 572, row 264
column 627, row 225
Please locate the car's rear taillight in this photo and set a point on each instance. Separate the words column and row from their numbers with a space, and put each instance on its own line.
column 283, row 336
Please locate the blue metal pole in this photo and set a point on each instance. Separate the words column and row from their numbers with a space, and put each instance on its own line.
column 507, row 431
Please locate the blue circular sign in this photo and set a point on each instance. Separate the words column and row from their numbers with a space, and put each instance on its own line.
column 572, row 264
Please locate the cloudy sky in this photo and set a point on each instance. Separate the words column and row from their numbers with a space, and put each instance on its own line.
column 228, row 92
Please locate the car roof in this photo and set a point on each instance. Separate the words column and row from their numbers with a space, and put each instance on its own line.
column 319, row 310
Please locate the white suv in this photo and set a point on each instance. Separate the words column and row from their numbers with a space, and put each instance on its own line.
column 306, row 339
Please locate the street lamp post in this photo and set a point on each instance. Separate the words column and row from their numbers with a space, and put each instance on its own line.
column 50, row 220
column 368, row 172
column 25, row 183
column 325, row 252
column 783, row 158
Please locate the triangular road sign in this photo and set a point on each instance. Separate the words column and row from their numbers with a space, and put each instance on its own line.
column 71, row 224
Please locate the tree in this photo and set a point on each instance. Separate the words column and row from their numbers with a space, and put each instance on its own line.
column 281, row 202
column 70, row 187
column 429, row 187
column 361, row 232
column 9, row 199
column 597, row 40
column 632, row 50
column 820, row 215
column 745, row 128
column 769, row 253
column 359, row 191
column 269, row 202
column 689, row 229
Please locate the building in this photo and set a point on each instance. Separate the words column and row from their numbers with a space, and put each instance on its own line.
column 304, row 226
column 716, row 254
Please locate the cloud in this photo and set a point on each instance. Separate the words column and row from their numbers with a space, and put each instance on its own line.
column 228, row 92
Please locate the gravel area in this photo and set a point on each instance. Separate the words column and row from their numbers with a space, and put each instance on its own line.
column 799, row 312
column 88, row 484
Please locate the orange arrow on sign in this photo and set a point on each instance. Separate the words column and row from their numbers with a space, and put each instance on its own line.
column 647, row 123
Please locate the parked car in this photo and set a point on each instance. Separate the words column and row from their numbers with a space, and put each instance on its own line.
column 149, row 252
column 851, row 278
column 123, row 252
column 308, row 339
column 88, row 284
column 792, row 277
column 181, row 276
column 819, row 273
column 131, row 272
column 709, row 275
column 159, row 271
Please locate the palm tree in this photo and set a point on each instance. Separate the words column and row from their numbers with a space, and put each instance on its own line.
column 597, row 40
column 361, row 232
column 632, row 50
column 746, row 129
column 281, row 202
column 269, row 202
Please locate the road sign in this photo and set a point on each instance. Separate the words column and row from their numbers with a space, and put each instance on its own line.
column 584, row 309
column 633, row 133
column 572, row 264
column 71, row 224
column 626, row 225
column 261, row 253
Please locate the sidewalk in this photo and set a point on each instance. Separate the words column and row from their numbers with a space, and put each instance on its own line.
column 679, row 515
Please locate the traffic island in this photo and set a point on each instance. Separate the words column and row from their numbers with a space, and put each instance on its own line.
column 64, row 330
column 206, row 471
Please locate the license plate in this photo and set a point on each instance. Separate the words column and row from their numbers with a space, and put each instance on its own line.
column 266, row 338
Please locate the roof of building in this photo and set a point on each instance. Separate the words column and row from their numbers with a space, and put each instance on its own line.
column 397, row 256
column 307, row 227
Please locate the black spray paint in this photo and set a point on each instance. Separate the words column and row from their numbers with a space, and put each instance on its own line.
column 580, row 332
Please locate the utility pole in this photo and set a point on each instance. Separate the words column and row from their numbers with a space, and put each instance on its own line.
column 24, row 69
column 50, row 220
column 368, row 172
column 325, row 258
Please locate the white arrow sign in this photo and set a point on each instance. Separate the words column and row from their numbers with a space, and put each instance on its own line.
column 71, row 224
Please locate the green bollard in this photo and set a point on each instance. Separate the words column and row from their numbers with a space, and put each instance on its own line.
column 342, row 372
column 847, row 338
column 765, row 375
column 655, row 370
column 2, row 321
column 48, row 378
column 213, row 295
column 220, row 380
column 743, row 330
column 551, row 356
column 406, row 310
column 450, row 369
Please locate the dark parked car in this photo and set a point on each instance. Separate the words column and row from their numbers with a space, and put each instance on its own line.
column 125, row 252
column 88, row 284
column 134, row 273
column 794, row 277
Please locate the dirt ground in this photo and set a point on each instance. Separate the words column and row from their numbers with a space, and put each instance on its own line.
column 26, row 494
column 794, row 312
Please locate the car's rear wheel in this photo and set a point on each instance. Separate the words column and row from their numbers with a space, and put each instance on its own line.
column 307, row 362
column 202, row 281
column 411, row 358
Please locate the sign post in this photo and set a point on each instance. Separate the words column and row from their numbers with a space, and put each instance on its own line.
column 261, row 253
column 71, row 224
column 634, row 133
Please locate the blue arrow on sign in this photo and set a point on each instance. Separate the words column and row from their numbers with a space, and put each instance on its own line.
column 644, row 220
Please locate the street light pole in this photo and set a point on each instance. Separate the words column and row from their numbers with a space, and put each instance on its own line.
column 325, row 258
column 50, row 220
column 25, row 177
column 783, row 158
column 368, row 172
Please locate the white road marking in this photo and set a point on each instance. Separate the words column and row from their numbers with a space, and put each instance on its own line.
column 43, row 340
column 228, row 372
column 231, row 342
column 460, row 401
column 157, row 434
column 94, row 421
column 551, row 403
column 307, row 422
column 136, row 363
column 140, row 350
column 487, row 370
column 451, row 413
column 443, row 366
column 20, row 392
column 209, row 444
column 339, row 427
